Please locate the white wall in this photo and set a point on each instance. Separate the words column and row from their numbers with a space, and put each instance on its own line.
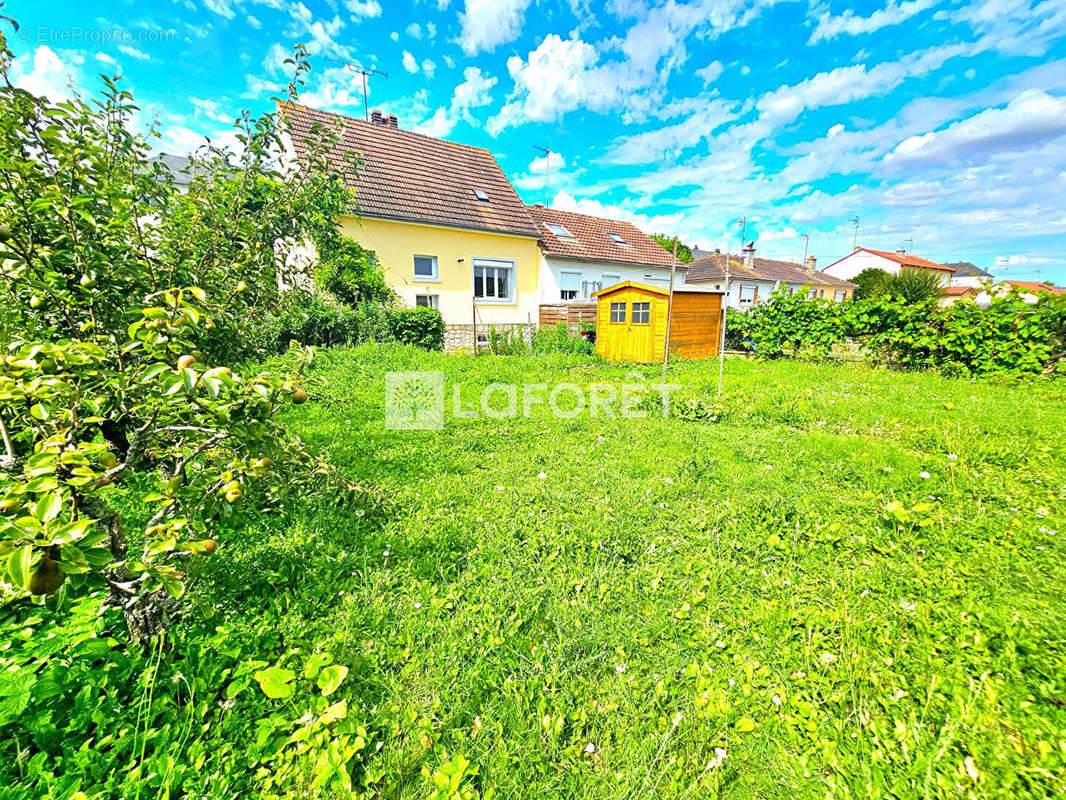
column 605, row 273
column 851, row 265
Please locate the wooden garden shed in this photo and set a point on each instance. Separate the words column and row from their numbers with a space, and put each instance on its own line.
column 631, row 322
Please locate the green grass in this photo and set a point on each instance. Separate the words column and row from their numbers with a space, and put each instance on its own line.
column 668, row 579
column 780, row 584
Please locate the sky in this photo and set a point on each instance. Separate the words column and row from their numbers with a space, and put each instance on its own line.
column 939, row 125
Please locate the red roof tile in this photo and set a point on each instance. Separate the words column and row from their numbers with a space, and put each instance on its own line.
column 407, row 176
column 1037, row 286
column 591, row 240
column 905, row 259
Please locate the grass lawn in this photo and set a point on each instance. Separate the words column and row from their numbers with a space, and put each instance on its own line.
column 773, row 604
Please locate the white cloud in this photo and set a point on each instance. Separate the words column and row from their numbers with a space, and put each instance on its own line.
column 489, row 23
column 322, row 32
column 649, row 223
column 710, row 73
column 440, row 124
column 394, row 36
column 1029, row 119
column 428, row 67
column 475, row 91
column 104, row 58
column 849, row 23
column 253, row 22
column 534, row 176
column 652, row 145
column 1014, row 27
column 223, row 8
column 133, row 52
column 410, row 63
column 836, row 129
column 364, row 8
column 44, row 73
column 414, row 30
column 210, row 109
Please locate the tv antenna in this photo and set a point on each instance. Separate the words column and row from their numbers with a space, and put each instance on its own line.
column 743, row 223
column 909, row 242
column 547, row 172
column 855, row 235
column 366, row 73
column 806, row 242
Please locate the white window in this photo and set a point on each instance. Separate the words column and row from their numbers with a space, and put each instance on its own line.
column 840, row 295
column 609, row 279
column 559, row 230
column 662, row 278
column 748, row 294
column 569, row 285
column 426, row 268
column 430, row 300
column 616, row 238
column 493, row 280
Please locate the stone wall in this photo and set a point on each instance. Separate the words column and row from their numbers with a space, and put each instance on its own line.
column 461, row 337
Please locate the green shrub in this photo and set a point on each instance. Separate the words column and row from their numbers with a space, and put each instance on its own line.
column 308, row 318
column 352, row 274
column 869, row 283
column 558, row 339
column 421, row 326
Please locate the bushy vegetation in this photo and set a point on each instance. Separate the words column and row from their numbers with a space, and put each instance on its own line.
column 557, row 338
column 913, row 286
column 835, row 581
column 1008, row 337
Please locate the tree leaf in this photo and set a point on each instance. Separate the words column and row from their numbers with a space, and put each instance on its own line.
column 330, row 679
column 276, row 682
column 18, row 565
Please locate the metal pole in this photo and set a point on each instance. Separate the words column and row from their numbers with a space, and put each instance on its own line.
column 669, row 309
column 725, row 308
column 366, row 111
column 806, row 242
column 547, row 179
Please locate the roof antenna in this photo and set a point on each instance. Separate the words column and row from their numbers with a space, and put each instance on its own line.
column 909, row 242
column 806, row 242
column 547, row 172
column 366, row 73
column 855, row 236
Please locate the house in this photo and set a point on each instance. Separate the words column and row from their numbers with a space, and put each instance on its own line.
column 1029, row 291
column 967, row 274
column 862, row 258
column 447, row 225
column 753, row 280
column 631, row 321
column 581, row 254
column 952, row 294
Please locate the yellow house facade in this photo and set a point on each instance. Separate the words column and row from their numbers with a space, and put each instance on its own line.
column 438, row 266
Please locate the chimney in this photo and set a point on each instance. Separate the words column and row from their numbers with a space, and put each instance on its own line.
column 749, row 255
column 375, row 116
column 811, row 261
column 391, row 121
column 902, row 251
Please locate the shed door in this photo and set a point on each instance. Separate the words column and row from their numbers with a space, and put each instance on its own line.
column 641, row 308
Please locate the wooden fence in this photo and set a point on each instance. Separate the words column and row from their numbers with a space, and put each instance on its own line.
column 573, row 314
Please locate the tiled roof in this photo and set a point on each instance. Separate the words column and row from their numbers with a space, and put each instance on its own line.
column 958, row 291
column 591, row 240
column 1037, row 286
column 408, row 176
column 964, row 269
column 712, row 268
column 904, row 259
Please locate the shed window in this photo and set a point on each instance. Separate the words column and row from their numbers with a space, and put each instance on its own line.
column 426, row 267
column 618, row 312
column 493, row 280
column 641, row 313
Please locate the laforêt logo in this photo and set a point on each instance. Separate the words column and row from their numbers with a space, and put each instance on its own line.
column 414, row 401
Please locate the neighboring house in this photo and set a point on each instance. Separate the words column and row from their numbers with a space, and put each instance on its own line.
column 952, row 294
column 893, row 263
column 448, row 227
column 1030, row 291
column 754, row 280
column 967, row 274
column 581, row 254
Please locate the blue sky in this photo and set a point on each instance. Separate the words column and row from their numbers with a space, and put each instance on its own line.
column 938, row 122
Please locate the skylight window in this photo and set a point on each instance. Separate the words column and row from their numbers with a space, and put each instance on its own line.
column 481, row 195
column 559, row 230
column 616, row 238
